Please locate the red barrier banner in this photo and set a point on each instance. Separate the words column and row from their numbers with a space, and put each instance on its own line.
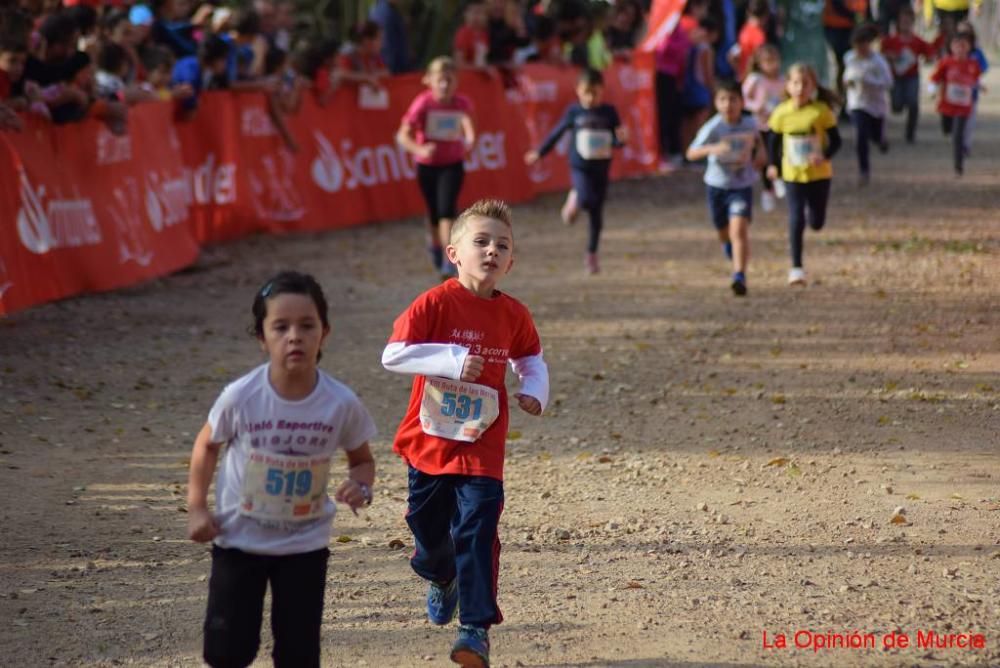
column 82, row 210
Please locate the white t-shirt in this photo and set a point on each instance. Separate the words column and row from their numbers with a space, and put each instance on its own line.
column 871, row 79
column 254, row 422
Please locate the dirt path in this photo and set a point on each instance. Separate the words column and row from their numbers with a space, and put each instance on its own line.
column 711, row 469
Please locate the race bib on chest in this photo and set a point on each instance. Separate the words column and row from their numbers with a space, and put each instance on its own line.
column 456, row 410
column 284, row 488
column 958, row 94
column 740, row 148
column 594, row 144
column 443, row 125
column 799, row 149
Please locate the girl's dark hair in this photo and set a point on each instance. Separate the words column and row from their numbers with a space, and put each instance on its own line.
column 290, row 282
column 866, row 33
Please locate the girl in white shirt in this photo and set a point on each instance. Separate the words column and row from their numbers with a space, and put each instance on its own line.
column 276, row 430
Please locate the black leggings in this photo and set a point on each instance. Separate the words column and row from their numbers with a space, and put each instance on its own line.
column 955, row 126
column 868, row 130
column 806, row 204
column 591, row 186
column 236, row 606
column 668, row 113
column 440, row 185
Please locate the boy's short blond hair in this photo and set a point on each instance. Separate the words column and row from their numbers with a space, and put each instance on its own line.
column 493, row 209
column 441, row 64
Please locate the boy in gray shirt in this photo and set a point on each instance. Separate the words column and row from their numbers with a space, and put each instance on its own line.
column 735, row 153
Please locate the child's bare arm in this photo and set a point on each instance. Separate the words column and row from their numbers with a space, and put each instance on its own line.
column 202, row 526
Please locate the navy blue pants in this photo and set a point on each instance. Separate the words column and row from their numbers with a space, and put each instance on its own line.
column 868, row 130
column 454, row 521
column 591, row 186
column 955, row 126
column 806, row 205
column 906, row 96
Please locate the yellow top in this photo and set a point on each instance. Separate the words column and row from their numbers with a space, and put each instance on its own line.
column 947, row 6
column 804, row 131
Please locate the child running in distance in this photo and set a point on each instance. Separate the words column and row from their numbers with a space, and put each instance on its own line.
column 276, row 430
column 753, row 35
column 763, row 91
column 956, row 79
column 456, row 340
column 903, row 50
column 803, row 141
column 979, row 56
column 731, row 142
column 437, row 129
column 868, row 80
column 596, row 130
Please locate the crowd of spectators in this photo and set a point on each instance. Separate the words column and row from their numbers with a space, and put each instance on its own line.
column 77, row 59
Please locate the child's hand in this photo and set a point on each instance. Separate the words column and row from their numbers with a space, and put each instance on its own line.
column 202, row 526
column 817, row 159
column 531, row 157
column 529, row 405
column 772, row 172
column 472, row 368
column 350, row 493
column 426, row 151
column 721, row 148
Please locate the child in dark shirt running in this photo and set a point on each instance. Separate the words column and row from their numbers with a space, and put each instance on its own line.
column 596, row 130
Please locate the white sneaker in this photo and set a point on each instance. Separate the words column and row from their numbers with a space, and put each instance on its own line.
column 779, row 189
column 767, row 202
column 796, row 276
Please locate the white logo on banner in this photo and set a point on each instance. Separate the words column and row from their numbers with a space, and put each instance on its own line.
column 58, row 223
column 125, row 210
column 112, row 148
column 214, row 184
column 272, row 187
column 167, row 200
column 367, row 166
column 4, row 283
column 254, row 122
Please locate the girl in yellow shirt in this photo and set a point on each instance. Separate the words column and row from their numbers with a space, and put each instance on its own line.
column 804, row 139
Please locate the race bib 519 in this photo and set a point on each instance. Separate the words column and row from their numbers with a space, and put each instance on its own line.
column 284, row 488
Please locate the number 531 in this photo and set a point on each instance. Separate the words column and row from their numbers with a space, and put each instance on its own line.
column 461, row 406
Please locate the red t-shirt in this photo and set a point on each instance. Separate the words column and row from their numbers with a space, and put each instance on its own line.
column 473, row 43
column 752, row 37
column 498, row 329
column 439, row 123
column 903, row 53
column 957, row 80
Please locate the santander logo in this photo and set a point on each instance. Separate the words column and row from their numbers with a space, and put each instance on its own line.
column 57, row 223
column 348, row 167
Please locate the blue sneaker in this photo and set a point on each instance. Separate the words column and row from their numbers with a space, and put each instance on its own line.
column 739, row 284
column 442, row 602
column 472, row 649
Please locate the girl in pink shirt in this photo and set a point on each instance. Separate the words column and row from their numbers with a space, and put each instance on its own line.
column 437, row 129
column 763, row 90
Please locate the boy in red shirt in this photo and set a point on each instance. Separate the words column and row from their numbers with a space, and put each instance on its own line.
column 753, row 35
column 457, row 339
column 472, row 41
column 957, row 77
column 903, row 50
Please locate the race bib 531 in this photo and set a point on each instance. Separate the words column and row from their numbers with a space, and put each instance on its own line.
column 457, row 410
